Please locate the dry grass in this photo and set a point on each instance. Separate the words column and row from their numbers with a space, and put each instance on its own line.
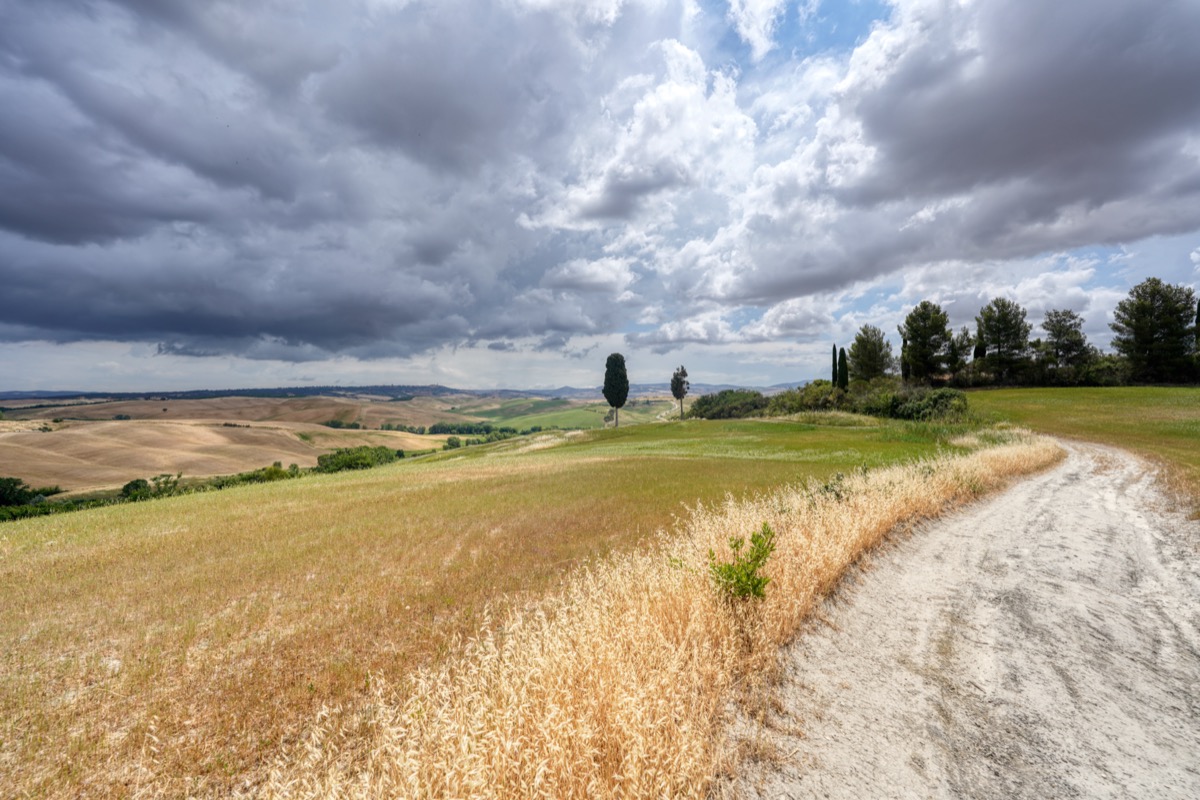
column 617, row 686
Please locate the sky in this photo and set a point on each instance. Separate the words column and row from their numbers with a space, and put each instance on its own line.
column 500, row 193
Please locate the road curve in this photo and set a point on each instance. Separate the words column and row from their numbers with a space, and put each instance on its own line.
column 1044, row 643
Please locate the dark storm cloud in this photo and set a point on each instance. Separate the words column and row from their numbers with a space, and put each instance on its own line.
column 61, row 182
column 457, row 84
column 164, row 178
column 1048, row 92
column 263, row 40
column 625, row 187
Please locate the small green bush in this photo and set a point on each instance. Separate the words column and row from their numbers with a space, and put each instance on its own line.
column 740, row 579
column 136, row 489
column 363, row 457
column 729, row 404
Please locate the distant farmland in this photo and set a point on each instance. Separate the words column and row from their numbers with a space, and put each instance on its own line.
column 82, row 447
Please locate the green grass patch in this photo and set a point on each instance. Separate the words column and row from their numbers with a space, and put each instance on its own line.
column 1159, row 422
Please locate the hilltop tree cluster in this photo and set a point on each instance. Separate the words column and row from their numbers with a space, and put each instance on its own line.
column 1157, row 340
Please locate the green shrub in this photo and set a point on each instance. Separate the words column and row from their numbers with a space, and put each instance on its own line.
column 14, row 492
column 8, row 513
column 363, row 457
column 729, row 404
column 740, row 579
column 136, row 489
column 882, row 397
column 933, row 404
column 165, row 484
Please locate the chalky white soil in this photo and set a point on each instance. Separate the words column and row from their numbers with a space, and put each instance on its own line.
column 1044, row 643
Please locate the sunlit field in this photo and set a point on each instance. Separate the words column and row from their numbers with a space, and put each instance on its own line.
column 526, row 413
column 183, row 642
column 1162, row 423
column 620, row 684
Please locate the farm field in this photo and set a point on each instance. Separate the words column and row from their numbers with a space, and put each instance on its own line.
column 370, row 412
column 1162, row 423
column 82, row 448
column 181, row 643
column 103, row 455
column 526, row 413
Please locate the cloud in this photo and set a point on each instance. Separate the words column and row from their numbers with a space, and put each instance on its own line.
column 971, row 131
column 608, row 275
column 298, row 182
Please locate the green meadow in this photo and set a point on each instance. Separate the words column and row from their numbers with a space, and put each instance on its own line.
column 526, row 413
column 1159, row 422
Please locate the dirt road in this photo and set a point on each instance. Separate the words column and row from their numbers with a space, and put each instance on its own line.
column 1042, row 644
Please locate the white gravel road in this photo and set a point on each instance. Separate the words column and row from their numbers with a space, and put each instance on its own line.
column 1044, row 643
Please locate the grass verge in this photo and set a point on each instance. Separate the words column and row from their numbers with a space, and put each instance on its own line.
column 617, row 686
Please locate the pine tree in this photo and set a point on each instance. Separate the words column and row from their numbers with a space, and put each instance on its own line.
column 870, row 354
column 1154, row 331
column 1002, row 323
column 927, row 332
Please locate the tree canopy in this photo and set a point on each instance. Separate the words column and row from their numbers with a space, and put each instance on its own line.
column 1002, row 325
column 957, row 350
column 870, row 354
column 616, row 383
column 1156, row 331
column 926, row 333
column 1067, row 344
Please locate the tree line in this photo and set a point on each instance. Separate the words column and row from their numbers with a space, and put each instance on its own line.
column 1156, row 340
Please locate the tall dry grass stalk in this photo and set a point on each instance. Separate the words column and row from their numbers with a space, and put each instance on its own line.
column 619, row 685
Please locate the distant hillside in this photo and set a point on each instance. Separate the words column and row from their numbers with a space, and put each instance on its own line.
column 394, row 391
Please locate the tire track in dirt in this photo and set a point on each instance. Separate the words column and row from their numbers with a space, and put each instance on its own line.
column 1044, row 643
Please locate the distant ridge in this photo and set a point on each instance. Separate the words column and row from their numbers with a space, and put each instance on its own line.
column 394, row 391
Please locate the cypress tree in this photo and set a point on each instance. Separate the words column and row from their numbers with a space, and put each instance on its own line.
column 905, row 367
column 843, row 371
column 679, row 387
column 833, row 374
column 616, row 384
